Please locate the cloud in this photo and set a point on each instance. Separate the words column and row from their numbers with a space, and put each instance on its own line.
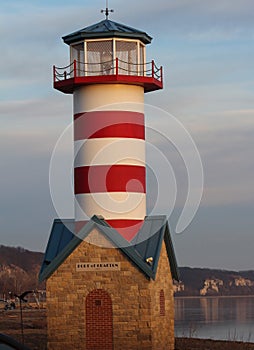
column 52, row 112
column 225, row 142
column 196, row 19
column 227, row 155
column 219, row 237
column 26, row 209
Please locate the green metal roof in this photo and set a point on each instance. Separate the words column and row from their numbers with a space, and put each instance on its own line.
column 147, row 243
column 107, row 29
column 61, row 235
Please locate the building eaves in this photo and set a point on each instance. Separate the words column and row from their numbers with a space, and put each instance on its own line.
column 106, row 29
column 148, row 244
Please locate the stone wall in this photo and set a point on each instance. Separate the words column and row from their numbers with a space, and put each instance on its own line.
column 162, row 322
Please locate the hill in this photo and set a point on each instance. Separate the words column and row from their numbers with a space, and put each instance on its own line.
column 204, row 281
column 19, row 270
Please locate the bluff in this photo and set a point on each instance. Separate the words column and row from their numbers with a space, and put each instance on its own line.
column 205, row 282
column 19, row 269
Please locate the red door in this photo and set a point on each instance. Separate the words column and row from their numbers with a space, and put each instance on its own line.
column 99, row 321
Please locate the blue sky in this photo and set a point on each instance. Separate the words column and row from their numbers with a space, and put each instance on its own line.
column 206, row 49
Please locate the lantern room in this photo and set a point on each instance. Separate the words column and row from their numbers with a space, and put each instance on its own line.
column 97, row 57
column 108, row 52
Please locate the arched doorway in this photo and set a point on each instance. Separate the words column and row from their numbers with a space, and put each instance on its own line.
column 99, row 321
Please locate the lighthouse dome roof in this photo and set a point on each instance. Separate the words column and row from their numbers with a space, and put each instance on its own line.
column 107, row 29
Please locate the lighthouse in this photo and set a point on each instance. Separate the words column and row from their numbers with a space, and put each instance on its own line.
column 108, row 76
column 109, row 271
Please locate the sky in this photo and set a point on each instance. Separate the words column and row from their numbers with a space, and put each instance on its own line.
column 206, row 50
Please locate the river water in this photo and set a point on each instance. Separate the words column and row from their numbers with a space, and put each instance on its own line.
column 222, row 318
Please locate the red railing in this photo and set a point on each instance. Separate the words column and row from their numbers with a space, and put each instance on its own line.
column 115, row 67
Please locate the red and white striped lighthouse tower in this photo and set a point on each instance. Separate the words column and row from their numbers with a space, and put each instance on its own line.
column 108, row 76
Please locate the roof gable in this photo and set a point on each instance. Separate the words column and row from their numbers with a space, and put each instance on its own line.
column 106, row 29
column 147, row 244
column 61, row 235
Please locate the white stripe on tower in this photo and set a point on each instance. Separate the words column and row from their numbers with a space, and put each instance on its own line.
column 109, row 167
column 109, row 151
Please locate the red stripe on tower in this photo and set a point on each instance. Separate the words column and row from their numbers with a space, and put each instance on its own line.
column 101, row 124
column 107, row 178
column 127, row 228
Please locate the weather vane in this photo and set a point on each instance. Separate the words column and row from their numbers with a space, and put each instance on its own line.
column 107, row 11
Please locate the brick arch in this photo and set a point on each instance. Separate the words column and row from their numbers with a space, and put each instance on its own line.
column 99, row 321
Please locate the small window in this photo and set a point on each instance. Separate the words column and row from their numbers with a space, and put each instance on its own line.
column 162, row 303
column 98, row 302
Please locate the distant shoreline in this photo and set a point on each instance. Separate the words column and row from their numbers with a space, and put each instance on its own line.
column 212, row 296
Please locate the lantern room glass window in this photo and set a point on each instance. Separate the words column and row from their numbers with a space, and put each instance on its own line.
column 99, row 57
column 77, row 53
column 127, row 53
column 142, row 60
